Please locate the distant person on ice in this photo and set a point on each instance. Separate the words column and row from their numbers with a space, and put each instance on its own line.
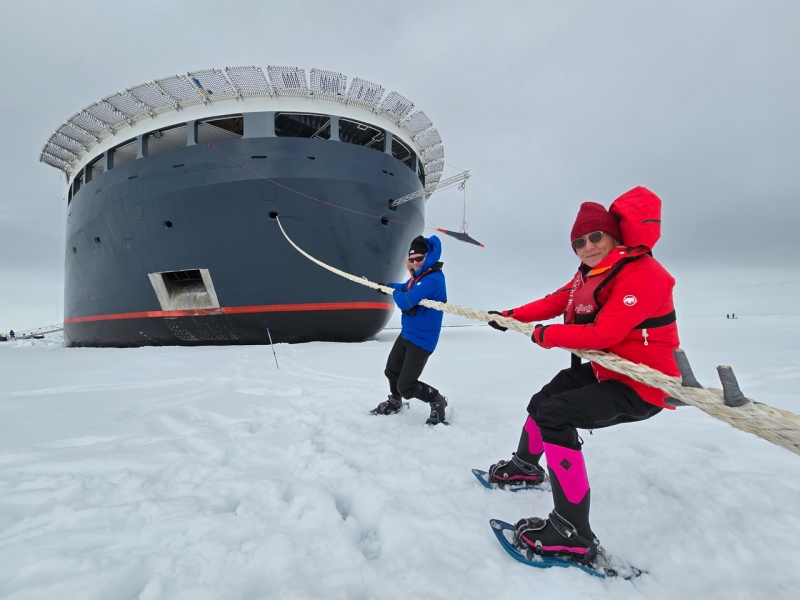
column 619, row 301
column 420, row 330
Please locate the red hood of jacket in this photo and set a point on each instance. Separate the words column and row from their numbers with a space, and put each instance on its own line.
column 639, row 214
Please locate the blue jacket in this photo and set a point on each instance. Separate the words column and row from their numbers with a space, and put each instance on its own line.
column 421, row 325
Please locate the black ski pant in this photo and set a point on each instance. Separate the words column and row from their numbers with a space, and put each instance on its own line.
column 403, row 368
column 574, row 399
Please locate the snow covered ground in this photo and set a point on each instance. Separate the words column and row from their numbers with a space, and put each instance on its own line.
column 194, row 473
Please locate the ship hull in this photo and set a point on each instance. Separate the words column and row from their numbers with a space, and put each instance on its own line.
column 212, row 209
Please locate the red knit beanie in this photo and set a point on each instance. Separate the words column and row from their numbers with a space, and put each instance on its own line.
column 594, row 217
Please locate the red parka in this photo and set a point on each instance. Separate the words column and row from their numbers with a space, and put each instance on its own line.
column 623, row 305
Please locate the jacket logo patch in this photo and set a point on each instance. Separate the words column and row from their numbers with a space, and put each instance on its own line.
column 629, row 300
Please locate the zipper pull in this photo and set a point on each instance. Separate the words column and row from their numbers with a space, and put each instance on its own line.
column 644, row 335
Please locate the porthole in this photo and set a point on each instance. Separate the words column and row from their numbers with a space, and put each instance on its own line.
column 97, row 240
column 384, row 221
column 168, row 224
column 74, row 250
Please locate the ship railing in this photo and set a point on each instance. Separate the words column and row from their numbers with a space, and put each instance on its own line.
column 38, row 332
column 431, row 188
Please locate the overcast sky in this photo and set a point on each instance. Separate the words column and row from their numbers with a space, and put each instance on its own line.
column 548, row 104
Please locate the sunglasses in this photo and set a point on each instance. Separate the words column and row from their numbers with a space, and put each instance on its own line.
column 416, row 259
column 593, row 237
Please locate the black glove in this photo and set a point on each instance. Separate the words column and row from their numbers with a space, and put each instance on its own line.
column 495, row 324
column 380, row 291
column 538, row 334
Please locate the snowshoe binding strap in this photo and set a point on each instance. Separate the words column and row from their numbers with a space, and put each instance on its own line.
column 527, row 527
column 568, row 531
column 498, row 466
column 389, row 406
column 531, row 468
column 499, row 475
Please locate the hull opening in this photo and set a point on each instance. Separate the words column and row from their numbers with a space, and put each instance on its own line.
column 184, row 290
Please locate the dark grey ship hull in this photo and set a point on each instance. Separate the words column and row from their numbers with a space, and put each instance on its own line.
column 194, row 209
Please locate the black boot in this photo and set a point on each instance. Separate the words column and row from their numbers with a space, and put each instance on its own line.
column 566, row 532
column 437, row 416
column 522, row 470
column 393, row 404
column 431, row 395
column 555, row 536
column 516, row 472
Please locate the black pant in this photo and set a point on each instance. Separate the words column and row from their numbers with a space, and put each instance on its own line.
column 575, row 399
column 403, row 368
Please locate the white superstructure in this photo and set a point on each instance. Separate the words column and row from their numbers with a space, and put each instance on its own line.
column 209, row 92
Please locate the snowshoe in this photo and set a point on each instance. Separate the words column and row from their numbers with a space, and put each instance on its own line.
column 392, row 405
column 484, row 478
column 603, row 565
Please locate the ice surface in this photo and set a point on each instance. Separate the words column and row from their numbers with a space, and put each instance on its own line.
column 208, row 473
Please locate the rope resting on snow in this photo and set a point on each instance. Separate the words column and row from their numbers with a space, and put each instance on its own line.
column 780, row 427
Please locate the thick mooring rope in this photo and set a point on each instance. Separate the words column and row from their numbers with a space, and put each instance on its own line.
column 780, row 427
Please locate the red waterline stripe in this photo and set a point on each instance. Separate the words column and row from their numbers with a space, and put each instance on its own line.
column 233, row 310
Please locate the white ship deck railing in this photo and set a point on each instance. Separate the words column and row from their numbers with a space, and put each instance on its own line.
column 68, row 146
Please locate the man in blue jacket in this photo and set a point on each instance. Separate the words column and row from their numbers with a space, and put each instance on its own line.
column 420, row 331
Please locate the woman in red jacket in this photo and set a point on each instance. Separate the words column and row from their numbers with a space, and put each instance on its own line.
column 619, row 301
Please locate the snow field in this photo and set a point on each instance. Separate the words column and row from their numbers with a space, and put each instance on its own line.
column 208, row 473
